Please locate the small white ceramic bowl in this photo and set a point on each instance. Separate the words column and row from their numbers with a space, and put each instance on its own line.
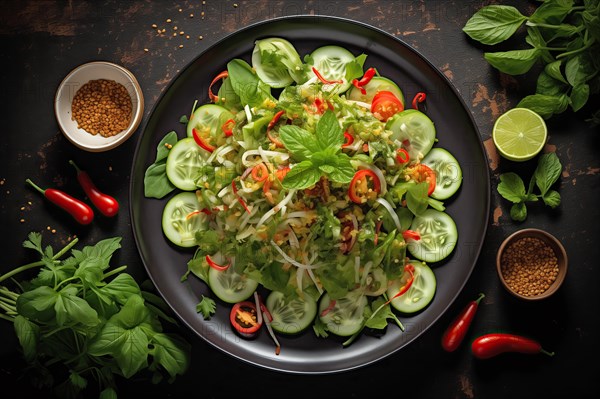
column 77, row 78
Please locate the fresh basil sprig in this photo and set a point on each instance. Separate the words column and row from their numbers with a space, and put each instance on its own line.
column 320, row 153
column 78, row 321
column 512, row 188
column 562, row 35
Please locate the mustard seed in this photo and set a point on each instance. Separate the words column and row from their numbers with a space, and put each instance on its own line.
column 529, row 266
column 102, row 107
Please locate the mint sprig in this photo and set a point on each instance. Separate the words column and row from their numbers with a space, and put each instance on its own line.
column 320, row 153
column 512, row 187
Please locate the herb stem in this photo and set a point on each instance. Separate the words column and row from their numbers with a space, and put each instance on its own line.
column 7, row 318
column 8, row 293
column 572, row 52
column 115, row 271
column 39, row 262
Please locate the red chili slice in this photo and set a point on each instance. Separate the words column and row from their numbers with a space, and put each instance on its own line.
column 418, row 98
column 244, row 318
column 215, row 265
column 202, row 141
column 213, row 97
column 359, row 190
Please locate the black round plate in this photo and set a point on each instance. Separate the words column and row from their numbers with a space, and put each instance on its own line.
column 457, row 132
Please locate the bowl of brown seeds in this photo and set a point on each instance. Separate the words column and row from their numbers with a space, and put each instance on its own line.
column 99, row 105
column 531, row 264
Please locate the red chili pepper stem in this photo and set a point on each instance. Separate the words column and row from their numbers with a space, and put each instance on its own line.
column 79, row 210
column 106, row 204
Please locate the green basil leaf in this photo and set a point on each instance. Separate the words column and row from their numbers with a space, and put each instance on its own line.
column 121, row 288
column 300, row 142
column 71, row 309
column 28, row 334
column 108, row 393
column 246, row 84
column 535, row 39
column 108, row 341
column 552, row 199
column 416, row 198
column 547, row 171
column 343, row 171
column 302, row 175
column 514, row 62
column 156, row 182
column 518, row 212
column 511, row 187
column 133, row 353
column 329, row 133
column 552, row 12
column 579, row 96
column 553, row 70
column 493, row 24
column 592, row 23
column 171, row 352
column 549, row 86
column 37, row 304
column 579, row 69
column 545, row 105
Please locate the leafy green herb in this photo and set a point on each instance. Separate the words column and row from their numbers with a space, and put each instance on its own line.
column 206, row 307
column 156, row 182
column 563, row 36
column 320, row 153
column 78, row 321
column 512, row 188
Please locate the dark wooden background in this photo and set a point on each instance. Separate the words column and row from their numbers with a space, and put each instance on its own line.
column 42, row 40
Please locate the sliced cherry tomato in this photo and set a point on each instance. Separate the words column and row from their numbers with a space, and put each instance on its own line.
column 364, row 185
column 385, row 104
column 423, row 173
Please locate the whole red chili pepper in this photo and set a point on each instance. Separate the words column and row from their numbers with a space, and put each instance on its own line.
column 457, row 330
column 80, row 211
column 493, row 344
column 106, row 204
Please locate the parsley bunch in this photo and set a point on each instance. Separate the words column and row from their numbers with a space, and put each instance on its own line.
column 78, row 321
column 561, row 35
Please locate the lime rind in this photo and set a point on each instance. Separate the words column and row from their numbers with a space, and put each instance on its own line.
column 519, row 134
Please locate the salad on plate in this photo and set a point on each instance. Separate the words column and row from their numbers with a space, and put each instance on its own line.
column 310, row 193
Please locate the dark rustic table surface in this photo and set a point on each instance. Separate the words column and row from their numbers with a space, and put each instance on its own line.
column 42, row 40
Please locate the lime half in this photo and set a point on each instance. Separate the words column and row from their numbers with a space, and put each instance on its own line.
column 519, row 134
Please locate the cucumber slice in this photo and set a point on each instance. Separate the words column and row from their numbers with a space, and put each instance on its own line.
column 420, row 293
column 208, row 120
column 184, row 162
column 377, row 83
column 414, row 130
column 438, row 236
column 282, row 65
column 181, row 219
column 331, row 62
column 346, row 316
column 291, row 315
column 230, row 286
column 448, row 173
